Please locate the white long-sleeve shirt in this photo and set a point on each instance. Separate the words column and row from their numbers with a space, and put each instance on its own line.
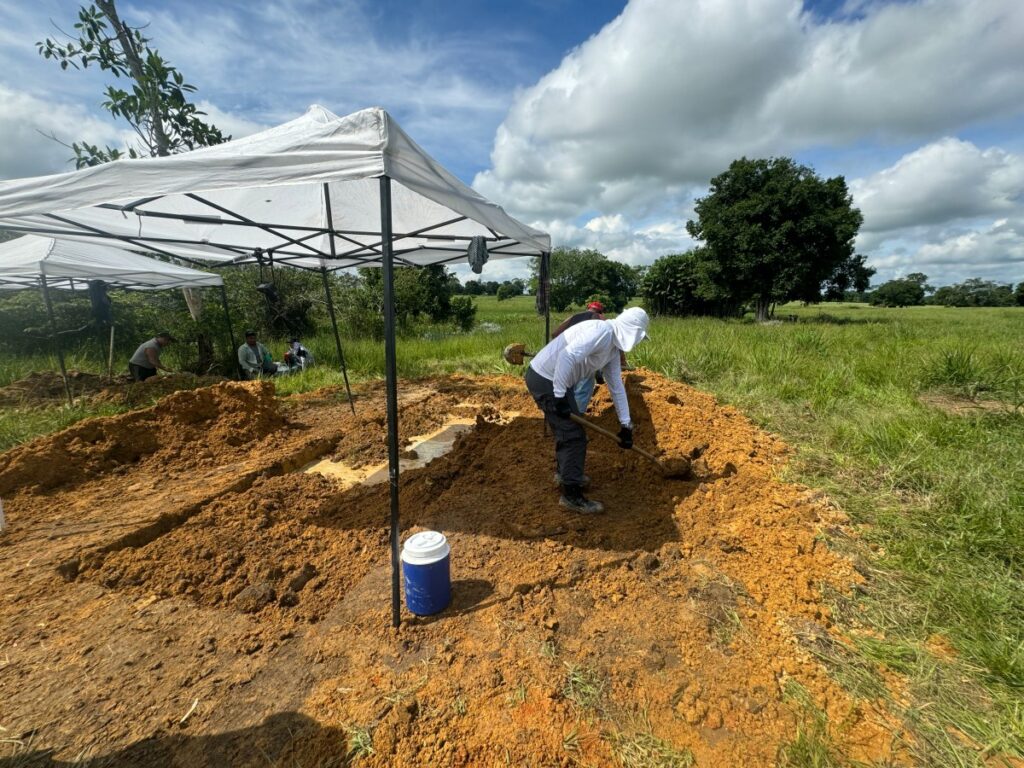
column 580, row 352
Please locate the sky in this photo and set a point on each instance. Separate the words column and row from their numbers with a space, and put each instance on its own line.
column 602, row 121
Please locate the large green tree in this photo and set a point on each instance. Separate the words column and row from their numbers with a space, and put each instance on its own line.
column 775, row 231
column 1019, row 293
column 150, row 95
column 906, row 291
column 577, row 274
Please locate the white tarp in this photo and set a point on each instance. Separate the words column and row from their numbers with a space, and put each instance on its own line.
column 24, row 260
column 271, row 191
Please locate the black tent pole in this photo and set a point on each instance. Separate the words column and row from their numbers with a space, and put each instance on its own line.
column 545, row 276
column 391, row 376
column 330, row 301
column 55, row 337
column 337, row 338
column 231, row 329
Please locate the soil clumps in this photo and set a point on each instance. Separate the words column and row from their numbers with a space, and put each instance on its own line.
column 184, row 428
column 670, row 624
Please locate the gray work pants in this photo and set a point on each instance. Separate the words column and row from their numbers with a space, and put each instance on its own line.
column 570, row 439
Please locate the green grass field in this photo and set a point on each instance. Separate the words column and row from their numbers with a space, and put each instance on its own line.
column 911, row 419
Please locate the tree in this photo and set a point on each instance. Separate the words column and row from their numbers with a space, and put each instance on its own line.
column 677, row 284
column 906, row 291
column 577, row 274
column 507, row 291
column 774, row 231
column 420, row 292
column 155, row 104
column 975, row 292
column 1019, row 294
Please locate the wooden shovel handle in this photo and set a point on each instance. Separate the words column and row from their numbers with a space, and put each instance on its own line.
column 608, row 433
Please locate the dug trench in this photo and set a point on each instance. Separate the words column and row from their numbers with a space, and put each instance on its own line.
column 194, row 597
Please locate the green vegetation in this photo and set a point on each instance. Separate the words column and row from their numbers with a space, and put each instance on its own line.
column 154, row 103
column 584, row 687
column 774, row 231
column 811, row 746
column 911, row 419
column 578, row 276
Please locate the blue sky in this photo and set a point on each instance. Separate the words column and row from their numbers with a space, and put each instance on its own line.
column 602, row 121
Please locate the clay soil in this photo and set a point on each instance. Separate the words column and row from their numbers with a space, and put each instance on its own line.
column 178, row 591
column 37, row 390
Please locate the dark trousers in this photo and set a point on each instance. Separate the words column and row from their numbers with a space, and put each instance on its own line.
column 140, row 373
column 570, row 439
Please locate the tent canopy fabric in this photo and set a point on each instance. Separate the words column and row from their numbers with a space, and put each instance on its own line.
column 25, row 260
column 304, row 193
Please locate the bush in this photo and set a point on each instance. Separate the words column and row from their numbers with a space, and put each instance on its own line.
column 577, row 274
column 678, row 285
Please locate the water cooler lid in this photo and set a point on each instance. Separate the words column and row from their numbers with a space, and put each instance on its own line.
column 425, row 547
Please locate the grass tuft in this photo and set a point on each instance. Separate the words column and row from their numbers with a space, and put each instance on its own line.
column 584, row 687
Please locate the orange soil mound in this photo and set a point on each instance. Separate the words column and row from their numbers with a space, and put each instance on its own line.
column 129, row 392
column 47, row 386
column 685, row 603
column 229, row 414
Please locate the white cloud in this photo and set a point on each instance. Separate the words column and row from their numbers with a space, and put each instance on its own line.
column 670, row 92
column 27, row 124
column 943, row 181
column 231, row 124
column 635, row 121
column 948, row 209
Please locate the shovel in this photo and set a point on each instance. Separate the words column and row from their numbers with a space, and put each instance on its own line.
column 514, row 354
column 679, row 468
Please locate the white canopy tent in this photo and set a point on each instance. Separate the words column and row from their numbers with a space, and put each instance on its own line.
column 280, row 191
column 45, row 263
column 319, row 192
column 28, row 262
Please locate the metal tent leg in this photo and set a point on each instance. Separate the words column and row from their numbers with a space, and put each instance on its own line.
column 56, row 339
column 327, row 292
column 231, row 330
column 391, row 383
column 337, row 338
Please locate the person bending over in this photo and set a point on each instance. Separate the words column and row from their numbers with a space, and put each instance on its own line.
column 146, row 360
column 580, row 352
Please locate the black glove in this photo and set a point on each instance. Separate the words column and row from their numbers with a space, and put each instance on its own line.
column 626, row 437
column 562, row 407
column 598, row 378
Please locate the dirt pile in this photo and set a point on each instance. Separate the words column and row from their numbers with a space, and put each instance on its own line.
column 188, row 428
column 675, row 623
column 128, row 392
column 47, row 388
column 41, row 388
column 263, row 552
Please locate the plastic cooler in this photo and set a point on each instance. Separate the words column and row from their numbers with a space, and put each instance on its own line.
column 426, row 568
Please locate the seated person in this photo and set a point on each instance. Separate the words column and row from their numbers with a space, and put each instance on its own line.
column 297, row 357
column 254, row 358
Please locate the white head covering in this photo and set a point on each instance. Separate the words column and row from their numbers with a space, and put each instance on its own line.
column 630, row 328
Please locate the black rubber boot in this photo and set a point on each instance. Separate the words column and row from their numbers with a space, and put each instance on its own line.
column 574, row 500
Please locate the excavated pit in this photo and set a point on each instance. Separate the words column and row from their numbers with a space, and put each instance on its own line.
column 231, row 548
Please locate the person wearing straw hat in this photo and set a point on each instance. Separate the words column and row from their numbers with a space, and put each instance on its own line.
column 578, row 353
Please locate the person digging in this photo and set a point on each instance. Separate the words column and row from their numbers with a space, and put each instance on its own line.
column 146, row 360
column 580, row 352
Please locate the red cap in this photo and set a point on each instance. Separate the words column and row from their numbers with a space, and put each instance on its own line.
column 596, row 306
